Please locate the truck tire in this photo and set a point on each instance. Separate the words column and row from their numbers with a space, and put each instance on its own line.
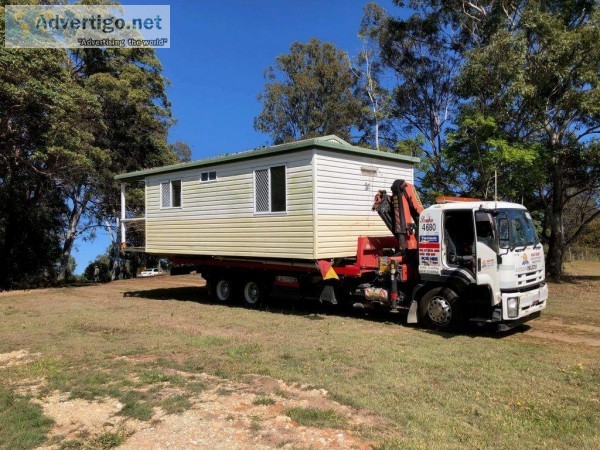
column 440, row 309
column 224, row 290
column 254, row 292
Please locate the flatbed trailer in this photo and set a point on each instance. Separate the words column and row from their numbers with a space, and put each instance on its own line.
column 320, row 279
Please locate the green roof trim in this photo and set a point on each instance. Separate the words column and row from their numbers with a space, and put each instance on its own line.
column 330, row 142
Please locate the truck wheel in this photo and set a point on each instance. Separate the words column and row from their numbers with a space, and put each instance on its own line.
column 254, row 293
column 440, row 309
column 224, row 290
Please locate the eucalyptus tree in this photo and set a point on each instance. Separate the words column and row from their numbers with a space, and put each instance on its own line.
column 421, row 56
column 514, row 86
column 309, row 92
column 534, row 67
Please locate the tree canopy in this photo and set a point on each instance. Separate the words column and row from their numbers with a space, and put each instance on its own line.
column 309, row 92
column 473, row 88
column 501, row 86
column 69, row 121
column 535, row 73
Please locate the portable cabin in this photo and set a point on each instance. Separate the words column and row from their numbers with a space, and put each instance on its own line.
column 308, row 200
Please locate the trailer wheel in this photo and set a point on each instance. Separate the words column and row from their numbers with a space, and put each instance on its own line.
column 224, row 290
column 440, row 309
column 254, row 293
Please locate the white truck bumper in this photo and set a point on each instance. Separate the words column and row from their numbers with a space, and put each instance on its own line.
column 517, row 306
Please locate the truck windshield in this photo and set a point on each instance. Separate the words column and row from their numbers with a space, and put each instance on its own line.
column 515, row 228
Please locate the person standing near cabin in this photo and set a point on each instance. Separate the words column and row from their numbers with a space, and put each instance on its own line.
column 96, row 273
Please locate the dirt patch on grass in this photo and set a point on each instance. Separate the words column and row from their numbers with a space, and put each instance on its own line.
column 17, row 358
column 558, row 330
column 77, row 418
column 558, row 324
column 565, row 337
column 225, row 415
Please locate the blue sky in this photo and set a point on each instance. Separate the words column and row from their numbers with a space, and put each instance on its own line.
column 219, row 50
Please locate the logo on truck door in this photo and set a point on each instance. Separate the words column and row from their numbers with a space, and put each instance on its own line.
column 428, row 224
column 429, row 250
column 528, row 261
column 429, row 246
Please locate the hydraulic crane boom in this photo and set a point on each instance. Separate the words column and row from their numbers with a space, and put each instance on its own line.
column 400, row 212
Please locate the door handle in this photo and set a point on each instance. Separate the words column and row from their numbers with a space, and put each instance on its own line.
column 478, row 264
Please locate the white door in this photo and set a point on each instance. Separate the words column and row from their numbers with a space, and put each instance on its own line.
column 486, row 252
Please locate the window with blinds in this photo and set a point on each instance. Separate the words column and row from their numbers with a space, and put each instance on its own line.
column 165, row 194
column 270, row 190
column 170, row 194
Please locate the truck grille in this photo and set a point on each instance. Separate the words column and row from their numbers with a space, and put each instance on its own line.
column 530, row 277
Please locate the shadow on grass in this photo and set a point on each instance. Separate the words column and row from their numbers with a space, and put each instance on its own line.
column 483, row 331
column 312, row 309
column 574, row 279
column 308, row 308
column 182, row 294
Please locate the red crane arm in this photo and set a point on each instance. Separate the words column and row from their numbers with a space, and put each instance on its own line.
column 400, row 212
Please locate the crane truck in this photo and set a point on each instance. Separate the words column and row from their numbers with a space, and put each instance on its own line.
column 459, row 260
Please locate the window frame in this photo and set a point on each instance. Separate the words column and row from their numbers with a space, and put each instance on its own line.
column 492, row 223
column 285, row 180
column 170, row 181
column 208, row 180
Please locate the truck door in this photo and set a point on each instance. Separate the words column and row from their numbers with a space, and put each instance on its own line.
column 486, row 250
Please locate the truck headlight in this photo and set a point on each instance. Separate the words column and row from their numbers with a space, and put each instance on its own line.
column 512, row 306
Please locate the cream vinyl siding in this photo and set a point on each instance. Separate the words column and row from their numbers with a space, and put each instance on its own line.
column 218, row 218
column 345, row 190
column 329, row 198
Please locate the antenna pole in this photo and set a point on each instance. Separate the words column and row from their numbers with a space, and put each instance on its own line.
column 496, row 189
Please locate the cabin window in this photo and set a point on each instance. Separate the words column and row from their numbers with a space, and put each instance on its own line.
column 270, row 190
column 484, row 226
column 208, row 176
column 170, row 194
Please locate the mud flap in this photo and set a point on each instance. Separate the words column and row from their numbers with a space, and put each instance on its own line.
column 412, row 313
column 328, row 295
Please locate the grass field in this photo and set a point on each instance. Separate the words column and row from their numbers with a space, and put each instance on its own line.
column 142, row 342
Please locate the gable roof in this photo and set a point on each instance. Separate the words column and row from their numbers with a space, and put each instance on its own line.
column 330, row 142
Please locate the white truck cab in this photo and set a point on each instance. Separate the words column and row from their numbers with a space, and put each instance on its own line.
column 486, row 253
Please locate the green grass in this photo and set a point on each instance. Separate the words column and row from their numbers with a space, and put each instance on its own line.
column 153, row 376
column 208, row 341
column 244, row 351
column 71, row 444
column 22, row 423
column 176, row 404
column 263, row 400
column 195, row 387
column 136, row 406
column 255, row 425
column 315, row 417
column 428, row 389
column 107, row 440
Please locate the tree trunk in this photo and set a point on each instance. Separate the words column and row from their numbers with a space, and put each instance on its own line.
column 556, row 245
column 114, row 239
column 67, row 248
column 7, row 251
